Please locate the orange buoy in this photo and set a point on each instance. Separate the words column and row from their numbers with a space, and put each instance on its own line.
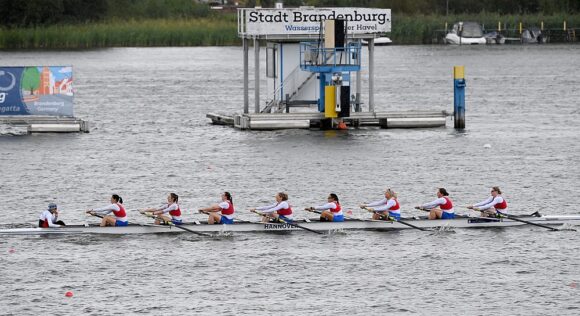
column 68, row 294
column 342, row 126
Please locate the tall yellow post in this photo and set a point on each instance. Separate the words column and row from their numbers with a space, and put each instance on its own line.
column 565, row 26
column 330, row 102
column 520, row 28
column 499, row 26
column 542, row 26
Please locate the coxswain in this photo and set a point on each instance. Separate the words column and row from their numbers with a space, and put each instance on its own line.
column 49, row 217
column 119, row 217
column 492, row 205
column 331, row 211
column 441, row 208
column 221, row 213
column 279, row 210
column 388, row 204
column 169, row 212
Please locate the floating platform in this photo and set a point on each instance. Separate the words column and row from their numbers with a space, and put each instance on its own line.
column 47, row 124
column 273, row 121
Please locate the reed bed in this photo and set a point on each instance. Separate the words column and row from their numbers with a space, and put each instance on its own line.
column 222, row 31
column 131, row 33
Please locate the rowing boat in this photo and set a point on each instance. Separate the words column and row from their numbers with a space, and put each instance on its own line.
column 314, row 224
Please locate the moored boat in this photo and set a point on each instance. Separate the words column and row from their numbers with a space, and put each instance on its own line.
column 348, row 224
column 465, row 33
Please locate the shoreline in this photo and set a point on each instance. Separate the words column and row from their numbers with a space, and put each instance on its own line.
column 222, row 31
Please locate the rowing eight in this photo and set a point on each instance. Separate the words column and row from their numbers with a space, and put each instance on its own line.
column 314, row 224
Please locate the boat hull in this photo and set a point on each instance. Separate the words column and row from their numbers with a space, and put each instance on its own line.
column 350, row 224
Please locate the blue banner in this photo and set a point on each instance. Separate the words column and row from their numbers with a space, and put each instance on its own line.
column 36, row 91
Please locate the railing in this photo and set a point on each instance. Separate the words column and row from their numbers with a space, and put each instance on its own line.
column 317, row 59
column 290, row 86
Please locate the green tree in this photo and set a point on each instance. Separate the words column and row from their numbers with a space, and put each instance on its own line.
column 31, row 79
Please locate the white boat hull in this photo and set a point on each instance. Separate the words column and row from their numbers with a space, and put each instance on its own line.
column 350, row 224
column 453, row 39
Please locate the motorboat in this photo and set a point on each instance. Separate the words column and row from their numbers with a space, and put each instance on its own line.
column 379, row 41
column 533, row 35
column 465, row 33
column 494, row 38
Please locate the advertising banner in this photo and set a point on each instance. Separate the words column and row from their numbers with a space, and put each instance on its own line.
column 303, row 21
column 36, row 91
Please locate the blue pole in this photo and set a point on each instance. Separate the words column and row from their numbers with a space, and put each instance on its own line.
column 459, row 96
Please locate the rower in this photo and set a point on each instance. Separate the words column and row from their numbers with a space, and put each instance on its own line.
column 118, row 210
column 169, row 212
column 279, row 210
column 380, row 207
column 331, row 211
column 221, row 213
column 49, row 217
column 492, row 205
column 441, row 208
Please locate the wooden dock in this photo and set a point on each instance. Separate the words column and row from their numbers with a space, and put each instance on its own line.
column 47, row 124
column 390, row 119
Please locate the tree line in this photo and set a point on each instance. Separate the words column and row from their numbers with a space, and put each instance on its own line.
column 25, row 13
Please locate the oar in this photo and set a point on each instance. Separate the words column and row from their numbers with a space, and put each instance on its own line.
column 345, row 216
column 392, row 219
column 513, row 218
column 95, row 214
column 288, row 223
column 172, row 224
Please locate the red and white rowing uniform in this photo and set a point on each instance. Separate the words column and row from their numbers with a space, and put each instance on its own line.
column 498, row 203
column 173, row 210
column 116, row 208
column 48, row 220
column 282, row 208
column 333, row 207
column 391, row 205
column 227, row 209
column 444, row 203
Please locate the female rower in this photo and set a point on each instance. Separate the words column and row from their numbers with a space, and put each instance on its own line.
column 169, row 212
column 279, row 210
column 331, row 211
column 441, row 208
column 222, row 213
column 389, row 203
column 492, row 205
column 118, row 210
column 49, row 218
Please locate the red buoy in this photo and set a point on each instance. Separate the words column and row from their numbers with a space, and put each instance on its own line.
column 68, row 294
column 11, row 250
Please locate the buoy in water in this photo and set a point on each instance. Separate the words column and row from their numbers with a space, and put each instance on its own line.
column 342, row 126
column 11, row 250
column 487, row 146
column 68, row 294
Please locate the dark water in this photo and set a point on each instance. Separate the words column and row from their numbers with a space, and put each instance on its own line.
column 150, row 137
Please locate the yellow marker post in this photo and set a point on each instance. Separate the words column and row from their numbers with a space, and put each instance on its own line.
column 330, row 102
column 499, row 26
column 520, row 28
column 542, row 26
column 565, row 26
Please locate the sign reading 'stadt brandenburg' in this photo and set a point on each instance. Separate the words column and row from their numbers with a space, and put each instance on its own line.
column 307, row 20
